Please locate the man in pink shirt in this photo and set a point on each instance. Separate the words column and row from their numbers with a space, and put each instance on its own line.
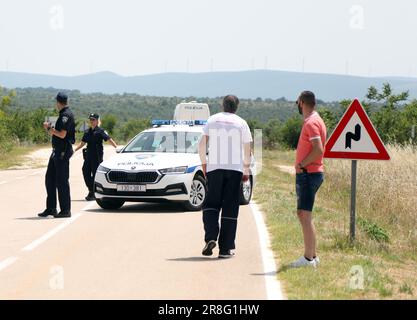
column 309, row 173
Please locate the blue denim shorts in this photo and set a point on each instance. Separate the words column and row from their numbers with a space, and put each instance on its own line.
column 307, row 185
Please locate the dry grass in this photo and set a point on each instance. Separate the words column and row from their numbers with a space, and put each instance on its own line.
column 25, row 156
column 386, row 235
column 386, row 196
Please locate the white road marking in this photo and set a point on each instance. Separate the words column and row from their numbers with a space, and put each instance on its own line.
column 51, row 233
column 7, row 262
column 54, row 231
column 273, row 286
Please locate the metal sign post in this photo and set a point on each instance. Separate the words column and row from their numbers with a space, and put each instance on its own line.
column 355, row 138
column 353, row 201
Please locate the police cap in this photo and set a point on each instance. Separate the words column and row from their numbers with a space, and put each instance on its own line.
column 62, row 98
column 94, row 116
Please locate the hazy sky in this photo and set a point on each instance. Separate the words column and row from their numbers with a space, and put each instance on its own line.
column 133, row 37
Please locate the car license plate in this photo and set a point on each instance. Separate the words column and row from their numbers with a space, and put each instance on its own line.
column 131, row 188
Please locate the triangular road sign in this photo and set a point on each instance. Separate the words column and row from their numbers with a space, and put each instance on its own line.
column 355, row 137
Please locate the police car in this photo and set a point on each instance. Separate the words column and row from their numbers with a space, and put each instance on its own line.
column 160, row 164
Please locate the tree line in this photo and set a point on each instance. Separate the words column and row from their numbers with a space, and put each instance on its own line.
column 393, row 115
column 133, row 106
column 22, row 112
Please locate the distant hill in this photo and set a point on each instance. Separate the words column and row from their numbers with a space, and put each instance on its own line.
column 245, row 84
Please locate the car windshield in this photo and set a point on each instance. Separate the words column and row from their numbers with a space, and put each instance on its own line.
column 165, row 141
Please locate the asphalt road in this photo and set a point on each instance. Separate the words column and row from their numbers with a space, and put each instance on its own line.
column 141, row 251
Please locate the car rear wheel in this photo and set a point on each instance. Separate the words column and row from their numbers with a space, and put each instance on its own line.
column 110, row 204
column 198, row 194
column 246, row 191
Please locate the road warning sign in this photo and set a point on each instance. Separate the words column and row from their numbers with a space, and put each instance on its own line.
column 355, row 137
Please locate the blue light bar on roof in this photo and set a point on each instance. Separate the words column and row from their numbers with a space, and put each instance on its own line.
column 182, row 122
column 178, row 122
column 160, row 122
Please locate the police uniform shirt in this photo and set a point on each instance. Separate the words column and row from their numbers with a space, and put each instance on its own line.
column 65, row 122
column 94, row 139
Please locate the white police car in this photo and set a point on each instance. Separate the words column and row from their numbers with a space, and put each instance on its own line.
column 159, row 164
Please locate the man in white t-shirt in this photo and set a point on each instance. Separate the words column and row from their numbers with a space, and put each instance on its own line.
column 228, row 138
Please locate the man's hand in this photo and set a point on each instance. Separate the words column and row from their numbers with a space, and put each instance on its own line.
column 247, row 151
column 46, row 125
column 246, row 175
column 202, row 151
column 299, row 168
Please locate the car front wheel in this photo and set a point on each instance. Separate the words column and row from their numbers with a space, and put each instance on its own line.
column 198, row 194
column 246, row 191
column 110, row 204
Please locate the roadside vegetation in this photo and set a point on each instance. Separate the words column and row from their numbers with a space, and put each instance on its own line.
column 22, row 112
column 18, row 157
column 380, row 263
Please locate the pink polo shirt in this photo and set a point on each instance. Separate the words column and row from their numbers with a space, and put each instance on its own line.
column 313, row 128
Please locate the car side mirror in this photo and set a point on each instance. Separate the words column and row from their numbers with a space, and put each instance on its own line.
column 119, row 149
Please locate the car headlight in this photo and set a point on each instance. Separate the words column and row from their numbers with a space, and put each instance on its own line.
column 102, row 169
column 175, row 170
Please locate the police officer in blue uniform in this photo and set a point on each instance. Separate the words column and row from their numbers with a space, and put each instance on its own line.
column 57, row 174
column 93, row 154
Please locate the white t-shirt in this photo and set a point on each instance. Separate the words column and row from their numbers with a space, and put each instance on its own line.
column 227, row 134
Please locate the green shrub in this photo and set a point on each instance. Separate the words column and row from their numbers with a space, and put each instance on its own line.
column 373, row 231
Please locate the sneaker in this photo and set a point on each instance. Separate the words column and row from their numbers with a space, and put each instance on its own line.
column 90, row 197
column 226, row 254
column 208, row 248
column 303, row 262
column 63, row 214
column 47, row 212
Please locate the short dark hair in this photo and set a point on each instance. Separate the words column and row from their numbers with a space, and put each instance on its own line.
column 230, row 103
column 308, row 98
